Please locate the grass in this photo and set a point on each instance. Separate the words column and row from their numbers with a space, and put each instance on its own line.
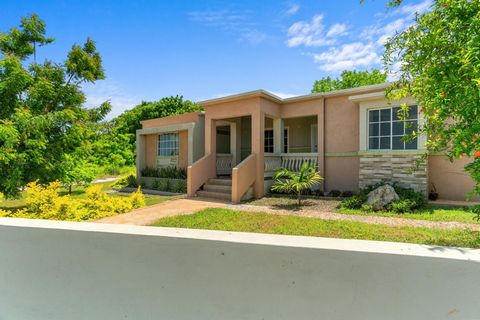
column 78, row 192
column 429, row 212
column 104, row 172
column 230, row 220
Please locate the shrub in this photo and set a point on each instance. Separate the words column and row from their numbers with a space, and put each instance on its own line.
column 409, row 201
column 318, row 193
column 44, row 202
column 354, row 202
column 417, row 199
column 167, row 172
column 403, row 206
column 180, row 188
column 476, row 211
column 335, row 193
column 125, row 181
column 156, row 185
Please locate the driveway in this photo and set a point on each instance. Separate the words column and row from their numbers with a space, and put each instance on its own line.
column 148, row 215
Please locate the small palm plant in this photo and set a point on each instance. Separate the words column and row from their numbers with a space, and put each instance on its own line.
column 296, row 182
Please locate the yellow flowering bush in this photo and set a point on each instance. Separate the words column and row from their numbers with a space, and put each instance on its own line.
column 44, row 202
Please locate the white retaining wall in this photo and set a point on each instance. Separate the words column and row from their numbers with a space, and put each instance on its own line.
column 61, row 270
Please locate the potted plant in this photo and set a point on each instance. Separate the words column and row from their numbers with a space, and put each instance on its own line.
column 433, row 194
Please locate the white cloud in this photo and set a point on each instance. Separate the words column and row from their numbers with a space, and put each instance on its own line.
column 342, row 48
column 347, row 56
column 238, row 23
column 312, row 33
column 292, row 9
column 412, row 9
column 109, row 90
column 338, row 29
column 284, row 95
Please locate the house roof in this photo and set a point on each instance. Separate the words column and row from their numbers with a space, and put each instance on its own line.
column 272, row 97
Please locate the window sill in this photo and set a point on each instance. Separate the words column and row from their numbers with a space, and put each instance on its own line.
column 391, row 152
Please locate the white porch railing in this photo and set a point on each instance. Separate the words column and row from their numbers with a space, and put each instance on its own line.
column 224, row 163
column 290, row 161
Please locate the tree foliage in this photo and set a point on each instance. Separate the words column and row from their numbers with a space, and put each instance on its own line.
column 349, row 79
column 439, row 61
column 129, row 121
column 43, row 122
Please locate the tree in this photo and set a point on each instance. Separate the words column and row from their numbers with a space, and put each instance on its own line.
column 129, row 121
column 349, row 79
column 77, row 172
column 439, row 65
column 42, row 118
column 292, row 182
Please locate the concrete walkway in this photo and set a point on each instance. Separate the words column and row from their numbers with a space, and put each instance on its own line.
column 148, row 215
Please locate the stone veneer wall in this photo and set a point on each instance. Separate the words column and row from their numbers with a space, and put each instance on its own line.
column 394, row 168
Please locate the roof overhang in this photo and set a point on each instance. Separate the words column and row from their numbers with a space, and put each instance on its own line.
column 272, row 97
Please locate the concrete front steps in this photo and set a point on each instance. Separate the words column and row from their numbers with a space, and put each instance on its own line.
column 218, row 188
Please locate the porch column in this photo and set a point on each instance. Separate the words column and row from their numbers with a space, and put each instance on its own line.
column 233, row 143
column 140, row 148
column 258, row 128
column 321, row 142
column 190, row 146
column 278, row 135
column 211, row 142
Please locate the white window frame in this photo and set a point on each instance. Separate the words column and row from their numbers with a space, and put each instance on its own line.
column 285, row 129
column 177, row 140
column 391, row 135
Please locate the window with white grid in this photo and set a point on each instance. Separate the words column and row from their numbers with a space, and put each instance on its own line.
column 168, row 145
column 386, row 130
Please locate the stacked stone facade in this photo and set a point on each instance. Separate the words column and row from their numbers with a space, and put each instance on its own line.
column 401, row 169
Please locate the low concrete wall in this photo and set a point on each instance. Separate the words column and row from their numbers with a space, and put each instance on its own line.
column 61, row 270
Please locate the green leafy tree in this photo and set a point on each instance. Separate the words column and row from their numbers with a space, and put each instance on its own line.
column 296, row 182
column 439, row 65
column 349, row 79
column 129, row 121
column 77, row 171
column 42, row 117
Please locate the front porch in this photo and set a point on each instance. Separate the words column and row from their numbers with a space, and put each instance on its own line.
column 285, row 143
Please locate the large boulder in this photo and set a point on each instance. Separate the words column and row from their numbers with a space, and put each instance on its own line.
column 381, row 197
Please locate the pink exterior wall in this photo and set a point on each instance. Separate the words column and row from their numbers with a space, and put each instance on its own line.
column 172, row 120
column 450, row 179
column 341, row 173
column 341, row 125
column 183, row 149
column 151, row 150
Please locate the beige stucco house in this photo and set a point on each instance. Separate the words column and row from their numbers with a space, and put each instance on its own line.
column 352, row 136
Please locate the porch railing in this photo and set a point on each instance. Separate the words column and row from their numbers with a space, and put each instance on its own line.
column 290, row 161
column 224, row 163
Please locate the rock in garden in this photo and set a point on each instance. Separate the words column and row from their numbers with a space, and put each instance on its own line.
column 381, row 197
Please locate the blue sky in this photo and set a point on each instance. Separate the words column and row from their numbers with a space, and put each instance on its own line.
column 205, row 49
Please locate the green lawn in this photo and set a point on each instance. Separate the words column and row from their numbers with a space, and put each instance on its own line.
column 230, row 220
column 429, row 212
column 78, row 193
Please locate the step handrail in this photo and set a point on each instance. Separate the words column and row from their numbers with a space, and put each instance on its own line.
column 199, row 172
column 243, row 177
